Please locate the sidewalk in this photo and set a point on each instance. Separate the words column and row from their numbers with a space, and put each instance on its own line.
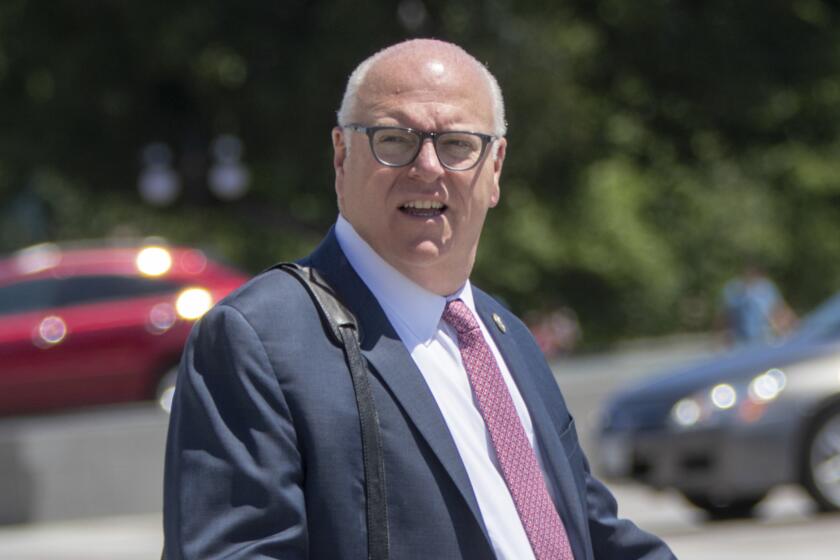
column 130, row 537
column 785, row 525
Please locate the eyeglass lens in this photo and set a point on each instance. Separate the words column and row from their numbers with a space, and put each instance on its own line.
column 456, row 150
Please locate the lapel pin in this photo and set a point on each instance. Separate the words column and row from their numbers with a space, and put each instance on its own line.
column 499, row 322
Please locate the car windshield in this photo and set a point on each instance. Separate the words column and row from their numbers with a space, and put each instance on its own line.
column 824, row 321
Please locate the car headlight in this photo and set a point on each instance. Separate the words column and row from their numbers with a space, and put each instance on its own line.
column 153, row 261
column 743, row 402
column 192, row 303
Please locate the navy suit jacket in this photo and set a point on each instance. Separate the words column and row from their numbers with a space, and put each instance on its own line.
column 264, row 455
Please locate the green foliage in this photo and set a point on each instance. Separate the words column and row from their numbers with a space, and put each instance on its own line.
column 653, row 146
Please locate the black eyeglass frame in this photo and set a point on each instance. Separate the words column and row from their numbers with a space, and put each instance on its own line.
column 370, row 131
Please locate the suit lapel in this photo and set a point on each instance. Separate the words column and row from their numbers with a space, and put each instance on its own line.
column 569, row 499
column 384, row 350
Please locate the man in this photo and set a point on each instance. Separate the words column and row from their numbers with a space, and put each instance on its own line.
column 754, row 309
column 481, row 457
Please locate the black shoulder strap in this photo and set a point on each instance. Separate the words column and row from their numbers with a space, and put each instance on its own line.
column 344, row 331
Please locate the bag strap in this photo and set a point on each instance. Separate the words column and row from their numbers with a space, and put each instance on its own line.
column 344, row 331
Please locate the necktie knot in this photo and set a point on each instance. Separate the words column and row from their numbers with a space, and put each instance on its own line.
column 459, row 317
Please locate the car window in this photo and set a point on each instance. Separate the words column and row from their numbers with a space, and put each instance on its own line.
column 28, row 296
column 90, row 289
column 45, row 293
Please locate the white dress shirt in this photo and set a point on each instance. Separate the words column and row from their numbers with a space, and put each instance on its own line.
column 415, row 314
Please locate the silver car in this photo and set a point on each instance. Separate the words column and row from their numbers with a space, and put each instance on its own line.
column 727, row 430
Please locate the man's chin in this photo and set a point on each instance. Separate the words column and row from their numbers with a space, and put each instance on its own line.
column 418, row 256
column 426, row 253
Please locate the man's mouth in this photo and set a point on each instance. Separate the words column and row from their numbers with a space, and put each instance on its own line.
column 423, row 208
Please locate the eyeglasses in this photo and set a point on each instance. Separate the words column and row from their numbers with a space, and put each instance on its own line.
column 395, row 146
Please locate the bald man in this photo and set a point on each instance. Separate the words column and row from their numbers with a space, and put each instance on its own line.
column 479, row 453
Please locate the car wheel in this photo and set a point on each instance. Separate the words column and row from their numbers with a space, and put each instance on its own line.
column 737, row 507
column 821, row 473
column 166, row 389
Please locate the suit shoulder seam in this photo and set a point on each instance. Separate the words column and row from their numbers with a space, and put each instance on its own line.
column 254, row 331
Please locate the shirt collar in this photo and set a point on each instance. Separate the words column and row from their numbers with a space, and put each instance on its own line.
column 417, row 308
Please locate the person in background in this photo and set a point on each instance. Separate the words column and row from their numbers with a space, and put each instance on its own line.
column 557, row 331
column 754, row 309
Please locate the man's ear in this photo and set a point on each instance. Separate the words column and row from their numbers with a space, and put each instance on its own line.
column 339, row 150
column 499, row 150
column 339, row 157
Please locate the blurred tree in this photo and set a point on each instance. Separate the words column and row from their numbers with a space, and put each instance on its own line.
column 653, row 145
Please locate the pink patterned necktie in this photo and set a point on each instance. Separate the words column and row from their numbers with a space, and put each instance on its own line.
column 516, row 457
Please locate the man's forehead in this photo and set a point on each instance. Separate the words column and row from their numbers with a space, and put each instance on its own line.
column 437, row 64
column 420, row 51
column 432, row 74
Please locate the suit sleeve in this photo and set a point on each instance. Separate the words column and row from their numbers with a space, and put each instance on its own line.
column 233, row 475
column 615, row 538
column 612, row 538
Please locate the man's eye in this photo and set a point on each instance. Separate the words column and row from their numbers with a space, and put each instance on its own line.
column 394, row 139
column 460, row 144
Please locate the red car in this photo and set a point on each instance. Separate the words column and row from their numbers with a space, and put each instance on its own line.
column 85, row 325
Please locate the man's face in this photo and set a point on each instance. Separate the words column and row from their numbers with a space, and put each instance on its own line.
column 389, row 207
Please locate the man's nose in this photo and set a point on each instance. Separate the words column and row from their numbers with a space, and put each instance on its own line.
column 426, row 165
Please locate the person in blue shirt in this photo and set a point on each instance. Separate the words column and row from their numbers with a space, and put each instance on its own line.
column 755, row 310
